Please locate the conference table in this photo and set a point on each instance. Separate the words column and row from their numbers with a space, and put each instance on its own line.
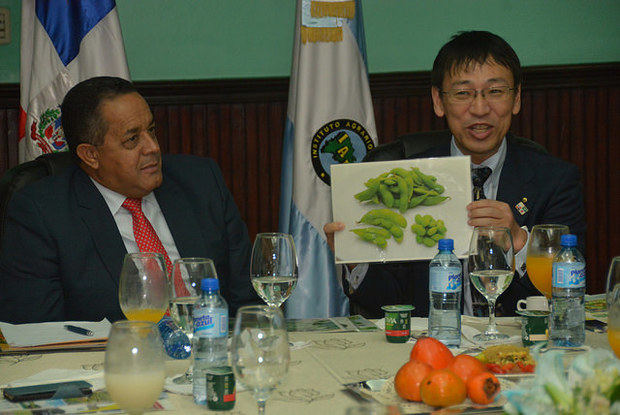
column 321, row 363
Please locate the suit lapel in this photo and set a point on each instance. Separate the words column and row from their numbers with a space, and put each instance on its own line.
column 514, row 183
column 96, row 215
column 181, row 219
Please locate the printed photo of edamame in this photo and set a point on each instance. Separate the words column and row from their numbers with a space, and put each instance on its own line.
column 399, row 210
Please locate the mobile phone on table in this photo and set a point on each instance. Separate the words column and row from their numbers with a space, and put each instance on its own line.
column 73, row 389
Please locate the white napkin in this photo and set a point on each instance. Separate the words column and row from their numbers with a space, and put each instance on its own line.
column 95, row 378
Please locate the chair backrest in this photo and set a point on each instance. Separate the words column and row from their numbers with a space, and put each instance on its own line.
column 405, row 146
column 26, row 173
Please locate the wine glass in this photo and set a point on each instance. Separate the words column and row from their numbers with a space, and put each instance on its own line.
column 259, row 350
column 134, row 365
column 543, row 245
column 184, row 282
column 273, row 267
column 491, row 268
column 613, row 305
column 143, row 287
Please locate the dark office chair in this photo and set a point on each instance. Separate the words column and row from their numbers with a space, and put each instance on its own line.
column 29, row 172
column 405, row 146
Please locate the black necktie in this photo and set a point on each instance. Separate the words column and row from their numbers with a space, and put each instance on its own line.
column 478, row 177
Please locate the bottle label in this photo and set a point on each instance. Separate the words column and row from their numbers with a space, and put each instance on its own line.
column 210, row 323
column 445, row 280
column 569, row 275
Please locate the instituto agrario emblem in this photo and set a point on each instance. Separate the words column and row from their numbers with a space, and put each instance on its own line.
column 337, row 142
column 47, row 131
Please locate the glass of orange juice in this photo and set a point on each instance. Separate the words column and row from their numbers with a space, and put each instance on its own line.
column 143, row 287
column 543, row 245
column 613, row 305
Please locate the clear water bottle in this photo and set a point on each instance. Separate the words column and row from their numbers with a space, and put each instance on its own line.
column 568, row 314
column 210, row 316
column 445, row 284
column 176, row 343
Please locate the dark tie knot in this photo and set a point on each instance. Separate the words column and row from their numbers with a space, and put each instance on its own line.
column 480, row 175
column 133, row 205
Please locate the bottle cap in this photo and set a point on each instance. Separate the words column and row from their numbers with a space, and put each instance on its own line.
column 446, row 244
column 569, row 240
column 210, row 284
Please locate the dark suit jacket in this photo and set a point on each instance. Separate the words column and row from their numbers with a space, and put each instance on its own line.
column 62, row 252
column 553, row 191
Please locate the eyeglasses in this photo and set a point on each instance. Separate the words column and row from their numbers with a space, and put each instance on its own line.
column 467, row 96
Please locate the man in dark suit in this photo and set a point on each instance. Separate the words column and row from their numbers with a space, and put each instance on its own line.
column 66, row 235
column 476, row 85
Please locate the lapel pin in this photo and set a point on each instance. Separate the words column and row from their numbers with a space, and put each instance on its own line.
column 521, row 208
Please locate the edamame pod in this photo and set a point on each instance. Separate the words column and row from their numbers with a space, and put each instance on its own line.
column 388, row 214
column 415, row 201
column 428, row 242
column 386, row 196
column 418, row 229
column 434, row 200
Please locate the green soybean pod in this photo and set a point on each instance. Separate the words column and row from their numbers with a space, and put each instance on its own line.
column 386, row 196
column 380, row 232
column 434, row 200
column 415, row 201
column 388, row 214
column 441, row 229
column 418, row 229
column 375, row 199
column 418, row 239
column 428, row 181
column 405, row 174
column 428, row 241
column 380, row 242
column 416, row 176
column 431, row 230
column 403, row 202
column 397, row 232
column 418, row 219
column 437, row 237
column 389, row 181
column 439, row 188
column 365, row 194
column 426, row 220
column 364, row 234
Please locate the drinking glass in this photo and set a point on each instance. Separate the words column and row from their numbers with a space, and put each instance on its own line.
column 491, row 268
column 613, row 305
column 543, row 245
column 143, row 287
column 134, row 365
column 184, row 282
column 273, row 268
column 259, row 350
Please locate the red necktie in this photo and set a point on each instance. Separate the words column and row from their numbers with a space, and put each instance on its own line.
column 148, row 241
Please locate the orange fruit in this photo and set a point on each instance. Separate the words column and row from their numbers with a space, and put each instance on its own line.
column 482, row 388
column 408, row 378
column 442, row 388
column 431, row 351
column 466, row 366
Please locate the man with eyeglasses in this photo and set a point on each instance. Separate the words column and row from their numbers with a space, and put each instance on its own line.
column 476, row 86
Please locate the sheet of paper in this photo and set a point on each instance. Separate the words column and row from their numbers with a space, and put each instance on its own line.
column 36, row 334
column 452, row 186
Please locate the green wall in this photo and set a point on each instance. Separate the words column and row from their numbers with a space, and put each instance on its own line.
column 210, row 39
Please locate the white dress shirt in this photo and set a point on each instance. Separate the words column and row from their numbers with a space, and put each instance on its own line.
column 124, row 220
column 495, row 163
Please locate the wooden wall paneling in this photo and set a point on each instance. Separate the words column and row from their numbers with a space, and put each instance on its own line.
column 613, row 208
column 554, row 122
column 277, row 118
column 238, row 160
column 251, row 169
column 198, row 130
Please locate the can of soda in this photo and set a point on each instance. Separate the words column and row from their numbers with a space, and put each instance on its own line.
column 220, row 388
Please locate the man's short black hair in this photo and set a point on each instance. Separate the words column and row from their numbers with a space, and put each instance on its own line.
column 474, row 47
column 81, row 117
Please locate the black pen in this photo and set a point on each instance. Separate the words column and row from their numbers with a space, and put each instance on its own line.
column 78, row 330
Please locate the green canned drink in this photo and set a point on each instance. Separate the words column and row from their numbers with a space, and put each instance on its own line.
column 220, row 388
column 397, row 322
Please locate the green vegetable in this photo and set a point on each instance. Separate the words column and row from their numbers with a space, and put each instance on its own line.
column 428, row 230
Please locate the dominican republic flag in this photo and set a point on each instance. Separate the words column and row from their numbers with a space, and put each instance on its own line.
column 330, row 120
column 63, row 42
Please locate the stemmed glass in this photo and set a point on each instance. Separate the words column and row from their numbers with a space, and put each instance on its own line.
column 613, row 305
column 259, row 350
column 143, row 287
column 273, row 267
column 134, row 365
column 543, row 245
column 184, row 282
column 491, row 268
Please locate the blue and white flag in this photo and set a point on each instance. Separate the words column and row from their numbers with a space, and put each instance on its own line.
column 330, row 120
column 62, row 43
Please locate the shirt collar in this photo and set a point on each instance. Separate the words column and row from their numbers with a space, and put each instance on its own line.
column 495, row 162
column 114, row 200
